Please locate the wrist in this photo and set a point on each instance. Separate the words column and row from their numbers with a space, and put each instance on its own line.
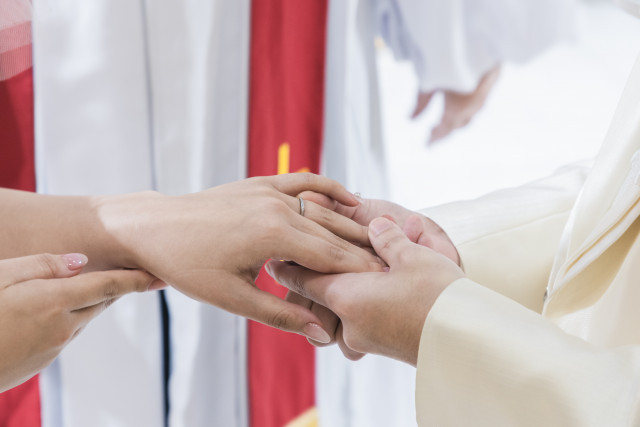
column 122, row 219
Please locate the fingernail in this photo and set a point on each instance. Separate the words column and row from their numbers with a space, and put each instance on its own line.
column 156, row 285
column 358, row 196
column 379, row 226
column 386, row 269
column 315, row 332
column 75, row 261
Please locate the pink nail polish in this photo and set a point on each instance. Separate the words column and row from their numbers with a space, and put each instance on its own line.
column 75, row 261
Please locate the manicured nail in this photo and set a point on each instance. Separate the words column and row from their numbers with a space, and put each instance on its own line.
column 358, row 196
column 156, row 285
column 75, row 261
column 379, row 226
column 316, row 333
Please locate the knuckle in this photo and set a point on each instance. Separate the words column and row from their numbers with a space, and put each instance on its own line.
column 47, row 264
column 110, row 288
column 280, row 320
column 336, row 253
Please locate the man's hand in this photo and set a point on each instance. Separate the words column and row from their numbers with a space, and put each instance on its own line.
column 420, row 229
column 44, row 304
column 211, row 245
column 383, row 312
column 459, row 108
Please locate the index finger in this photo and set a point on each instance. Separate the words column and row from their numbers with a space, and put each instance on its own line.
column 295, row 183
column 89, row 289
column 309, row 284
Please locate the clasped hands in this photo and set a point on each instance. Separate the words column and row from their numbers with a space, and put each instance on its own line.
column 378, row 312
column 211, row 246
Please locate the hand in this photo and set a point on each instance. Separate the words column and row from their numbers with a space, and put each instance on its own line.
column 211, row 245
column 424, row 232
column 418, row 228
column 382, row 312
column 459, row 108
column 44, row 304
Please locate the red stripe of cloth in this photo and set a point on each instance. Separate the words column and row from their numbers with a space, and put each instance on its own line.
column 288, row 40
column 20, row 406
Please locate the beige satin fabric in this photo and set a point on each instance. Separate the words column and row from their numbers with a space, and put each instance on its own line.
column 486, row 359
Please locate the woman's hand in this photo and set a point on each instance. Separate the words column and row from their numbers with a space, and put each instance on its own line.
column 383, row 312
column 211, row 245
column 420, row 229
column 44, row 304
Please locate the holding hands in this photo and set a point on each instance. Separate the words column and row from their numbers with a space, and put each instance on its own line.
column 211, row 245
column 382, row 312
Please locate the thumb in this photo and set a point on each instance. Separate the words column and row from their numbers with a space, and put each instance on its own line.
column 41, row 266
column 388, row 240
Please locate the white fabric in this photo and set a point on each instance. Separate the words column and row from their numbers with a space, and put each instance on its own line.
column 577, row 364
column 132, row 96
column 453, row 43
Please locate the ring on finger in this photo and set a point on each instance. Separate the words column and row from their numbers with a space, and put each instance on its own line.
column 301, row 206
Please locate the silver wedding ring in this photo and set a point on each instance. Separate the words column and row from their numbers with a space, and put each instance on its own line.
column 301, row 205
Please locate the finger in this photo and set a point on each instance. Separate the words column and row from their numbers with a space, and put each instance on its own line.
column 327, row 317
column 329, row 203
column 241, row 297
column 83, row 316
column 414, row 228
column 99, row 287
column 316, row 248
column 304, row 282
column 348, row 352
column 424, row 98
column 441, row 131
column 296, row 183
column 388, row 240
column 41, row 266
column 337, row 224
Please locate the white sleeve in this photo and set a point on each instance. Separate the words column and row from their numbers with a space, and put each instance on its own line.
column 485, row 360
column 452, row 43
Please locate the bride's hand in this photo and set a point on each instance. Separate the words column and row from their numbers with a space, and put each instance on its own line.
column 211, row 245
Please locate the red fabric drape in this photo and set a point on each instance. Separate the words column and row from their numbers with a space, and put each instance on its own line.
column 20, row 406
column 288, row 39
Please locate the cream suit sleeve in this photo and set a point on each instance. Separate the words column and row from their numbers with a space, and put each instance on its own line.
column 485, row 360
column 533, row 216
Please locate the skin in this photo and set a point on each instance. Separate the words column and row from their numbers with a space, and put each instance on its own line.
column 418, row 229
column 381, row 312
column 459, row 108
column 44, row 304
column 208, row 245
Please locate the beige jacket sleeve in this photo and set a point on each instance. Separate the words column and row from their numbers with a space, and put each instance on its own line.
column 507, row 239
column 485, row 359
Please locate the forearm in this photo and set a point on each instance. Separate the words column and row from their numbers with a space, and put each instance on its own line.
column 34, row 223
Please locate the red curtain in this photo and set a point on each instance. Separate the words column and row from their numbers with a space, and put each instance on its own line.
column 20, row 406
column 288, row 39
